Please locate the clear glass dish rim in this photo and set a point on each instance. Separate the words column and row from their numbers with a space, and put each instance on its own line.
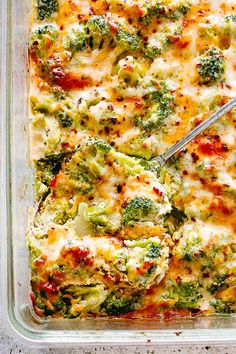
column 42, row 336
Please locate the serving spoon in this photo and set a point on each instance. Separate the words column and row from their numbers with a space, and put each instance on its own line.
column 159, row 161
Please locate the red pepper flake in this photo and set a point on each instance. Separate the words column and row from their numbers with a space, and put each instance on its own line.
column 113, row 26
column 32, row 297
column 88, row 261
column 207, row 149
column 124, row 204
column 129, row 68
column 224, row 148
column 48, row 287
column 157, row 191
column 53, row 182
column 65, row 145
column 138, row 11
column 178, row 280
column 40, row 261
column 194, row 157
column 110, row 107
column 139, row 102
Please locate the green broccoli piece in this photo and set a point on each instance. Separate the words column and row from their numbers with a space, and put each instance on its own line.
column 221, row 306
column 59, row 95
column 178, row 215
column 77, row 41
column 87, row 164
column 132, row 165
column 50, row 165
column 64, row 119
column 156, row 11
column 218, row 283
column 41, row 305
column 102, row 218
column 138, row 209
column 184, row 8
column 211, row 66
column 81, row 182
column 152, row 52
column 230, row 18
column 153, row 250
column 119, row 304
column 62, row 212
column 102, row 146
column 87, row 298
column 41, row 39
column 188, row 295
column 34, row 253
column 162, row 101
column 185, row 293
column 127, row 40
column 46, row 8
column 98, row 31
column 62, row 305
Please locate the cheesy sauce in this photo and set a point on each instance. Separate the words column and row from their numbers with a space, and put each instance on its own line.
column 113, row 84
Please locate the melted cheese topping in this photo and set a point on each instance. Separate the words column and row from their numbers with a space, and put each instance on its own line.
column 113, row 84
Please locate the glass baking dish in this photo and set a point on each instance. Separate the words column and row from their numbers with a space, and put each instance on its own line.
column 17, row 196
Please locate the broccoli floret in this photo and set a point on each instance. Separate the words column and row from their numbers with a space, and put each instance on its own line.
column 62, row 305
column 42, row 39
column 162, row 101
column 87, row 165
column 62, row 211
column 188, row 295
column 64, row 119
column 185, row 293
column 34, row 253
column 144, row 261
column 98, row 31
column 184, row 8
column 50, row 166
column 152, row 52
column 118, row 303
column 138, row 209
column 153, row 250
column 83, row 298
column 59, row 95
column 103, row 218
column 222, row 306
column 132, row 166
column 41, row 306
column 44, row 105
column 97, row 24
column 230, row 18
column 218, row 283
column 77, row 41
column 102, row 146
column 158, row 10
column 211, row 66
column 178, row 215
column 46, row 8
column 130, row 71
column 127, row 40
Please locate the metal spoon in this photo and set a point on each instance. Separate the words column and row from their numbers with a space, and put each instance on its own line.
column 160, row 160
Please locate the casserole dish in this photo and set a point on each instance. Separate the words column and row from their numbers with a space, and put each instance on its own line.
column 17, row 196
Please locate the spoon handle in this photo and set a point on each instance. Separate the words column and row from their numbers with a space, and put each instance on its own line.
column 196, row 131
